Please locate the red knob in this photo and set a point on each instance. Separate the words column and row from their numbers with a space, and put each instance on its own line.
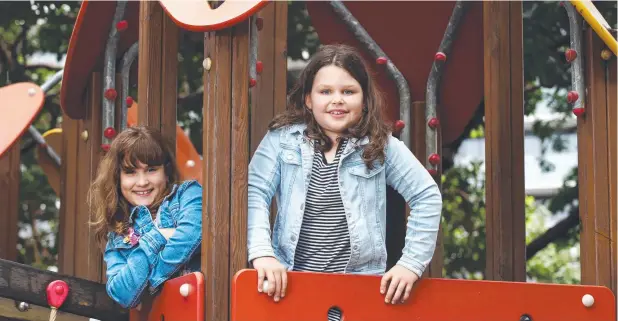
column 381, row 60
column 579, row 111
column 434, row 122
column 105, row 147
column 434, row 159
column 122, row 25
column 252, row 83
column 109, row 132
column 129, row 101
column 110, row 94
column 440, row 56
column 259, row 67
column 570, row 55
column 572, row 96
column 399, row 125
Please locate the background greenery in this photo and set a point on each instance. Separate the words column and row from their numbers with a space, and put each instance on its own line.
column 36, row 27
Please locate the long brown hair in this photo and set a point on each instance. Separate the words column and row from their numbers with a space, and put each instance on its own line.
column 109, row 208
column 371, row 124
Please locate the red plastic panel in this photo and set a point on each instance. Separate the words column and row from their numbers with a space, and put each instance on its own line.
column 311, row 295
column 410, row 32
column 20, row 103
column 197, row 15
column 171, row 305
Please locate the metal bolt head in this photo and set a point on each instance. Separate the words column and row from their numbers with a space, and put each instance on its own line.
column 31, row 92
column 207, row 63
column 23, row 306
column 84, row 135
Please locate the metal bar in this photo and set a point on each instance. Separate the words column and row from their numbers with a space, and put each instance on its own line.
column 433, row 82
column 52, row 81
column 253, row 48
column 402, row 86
column 86, row 298
column 127, row 61
column 577, row 70
column 109, row 70
column 596, row 21
column 41, row 141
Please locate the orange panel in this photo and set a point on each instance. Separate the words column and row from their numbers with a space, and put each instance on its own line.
column 197, row 15
column 410, row 35
column 170, row 305
column 188, row 160
column 53, row 138
column 310, row 295
column 86, row 50
column 21, row 102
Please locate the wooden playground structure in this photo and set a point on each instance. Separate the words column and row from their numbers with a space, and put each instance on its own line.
column 436, row 61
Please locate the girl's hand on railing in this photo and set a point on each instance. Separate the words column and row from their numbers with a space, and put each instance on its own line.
column 401, row 282
column 268, row 267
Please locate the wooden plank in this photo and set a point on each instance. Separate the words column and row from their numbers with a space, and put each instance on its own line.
column 216, row 160
column 612, row 118
column 68, row 196
column 169, row 79
column 281, row 56
column 502, row 28
column 86, row 298
column 149, row 62
column 8, row 309
column 9, row 198
column 597, row 170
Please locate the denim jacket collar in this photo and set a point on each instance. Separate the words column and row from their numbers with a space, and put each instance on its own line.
column 299, row 129
column 134, row 209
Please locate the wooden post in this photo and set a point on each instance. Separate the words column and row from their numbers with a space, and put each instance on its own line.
column 225, row 163
column 9, row 198
column 504, row 146
column 596, row 135
column 80, row 255
column 157, row 69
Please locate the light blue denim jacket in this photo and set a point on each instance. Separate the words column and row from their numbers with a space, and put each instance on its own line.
column 153, row 260
column 281, row 167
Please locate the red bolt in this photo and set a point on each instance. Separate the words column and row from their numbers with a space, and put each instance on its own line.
column 252, row 83
column 110, row 94
column 129, row 101
column 433, row 122
column 572, row 96
column 399, row 125
column 434, row 159
column 122, row 25
column 59, row 289
column 432, row 172
column 579, row 111
column 259, row 23
column 109, row 132
column 105, row 147
column 570, row 55
column 440, row 56
column 381, row 60
column 259, row 67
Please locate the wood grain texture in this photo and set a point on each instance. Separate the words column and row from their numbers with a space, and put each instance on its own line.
column 504, row 157
column 86, row 298
column 9, row 198
column 150, row 63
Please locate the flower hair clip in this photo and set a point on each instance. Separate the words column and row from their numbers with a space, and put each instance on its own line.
column 133, row 237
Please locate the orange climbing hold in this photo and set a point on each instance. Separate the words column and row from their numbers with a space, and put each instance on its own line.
column 310, row 295
column 21, row 102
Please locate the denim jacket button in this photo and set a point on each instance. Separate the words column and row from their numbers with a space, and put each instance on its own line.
column 355, row 247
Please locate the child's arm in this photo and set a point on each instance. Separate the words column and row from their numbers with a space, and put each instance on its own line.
column 185, row 239
column 410, row 178
column 264, row 176
column 128, row 276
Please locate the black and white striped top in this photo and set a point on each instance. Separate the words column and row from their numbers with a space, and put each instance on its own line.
column 324, row 241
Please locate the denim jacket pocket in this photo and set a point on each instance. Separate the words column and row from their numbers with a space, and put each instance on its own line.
column 364, row 172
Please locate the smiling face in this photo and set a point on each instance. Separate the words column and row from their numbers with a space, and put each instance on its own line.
column 143, row 184
column 336, row 100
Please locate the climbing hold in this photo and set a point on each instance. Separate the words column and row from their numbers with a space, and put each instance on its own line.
column 579, row 111
column 259, row 23
column 588, row 300
column 399, row 125
column 433, row 122
column 110, row 94
column 381, row 60
column 105, row 147
column 606, row 54
column 570, row 55
column 434, row 159
column 440, row 56
column 129, row 101
column 572, row 96
column 252, row 83
column 57, row 292
column 259, row 67
column 122, row 25
column 109, row 132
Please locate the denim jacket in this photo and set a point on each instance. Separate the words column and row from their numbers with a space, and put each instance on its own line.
column 153, row 260
column 281, row 167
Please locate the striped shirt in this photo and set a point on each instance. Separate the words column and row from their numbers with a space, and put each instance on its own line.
column 324, row 241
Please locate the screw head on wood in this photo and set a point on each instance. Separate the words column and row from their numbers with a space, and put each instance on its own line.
column 207, row 63
column 606, row 54
column 84, row 135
